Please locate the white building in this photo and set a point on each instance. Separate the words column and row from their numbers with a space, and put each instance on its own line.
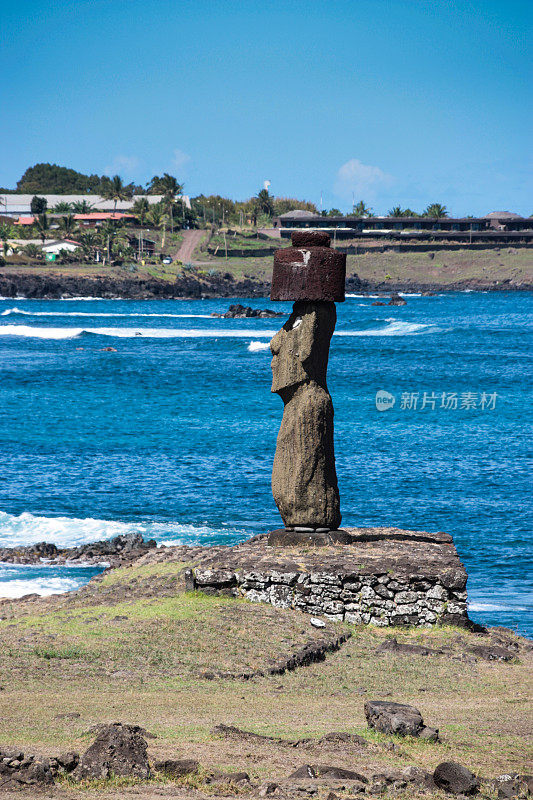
column 19, row 205
column 57, row 245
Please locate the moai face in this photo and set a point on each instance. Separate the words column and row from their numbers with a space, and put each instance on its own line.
column 300, row 348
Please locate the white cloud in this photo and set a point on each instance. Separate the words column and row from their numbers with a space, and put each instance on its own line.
column 180, row 159
column 363, row 180
column 123, row 165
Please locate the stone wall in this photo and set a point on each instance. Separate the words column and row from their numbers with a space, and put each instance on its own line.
column 392, row 592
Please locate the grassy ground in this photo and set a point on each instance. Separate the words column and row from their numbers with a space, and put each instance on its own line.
column 135, row 648
column 432, row 267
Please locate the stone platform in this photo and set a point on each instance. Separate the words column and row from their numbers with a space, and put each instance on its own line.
column 383, row 576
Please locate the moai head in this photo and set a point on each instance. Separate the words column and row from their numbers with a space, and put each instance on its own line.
column 300, row 348
column 312, row 275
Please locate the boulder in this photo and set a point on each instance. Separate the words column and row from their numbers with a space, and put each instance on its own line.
column 19, row 771
column 378, row 303
column 455, row 779
column 396, row 300
column 68, row 761
column 177, row 768
column 117, row 750
column 397, row 718
column 325, row 771
column 238, row 311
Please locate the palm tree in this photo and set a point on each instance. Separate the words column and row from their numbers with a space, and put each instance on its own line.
column 108, row 232
column 361, row 209
column 62, row 208
column 90, row 242
column 141, row 207
column 265, row 202
column 5, row 235
column 67, row 225
column 436, row 210
column 115, row 189
column 32, row 250
column 169, row 187
column 81, row 207
column 396, row 211
column 42, row 227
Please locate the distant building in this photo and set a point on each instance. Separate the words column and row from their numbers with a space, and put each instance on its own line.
column 16, row 205
column 60, row 244
column 497, row 226
column 96, row 218
column 24, row 221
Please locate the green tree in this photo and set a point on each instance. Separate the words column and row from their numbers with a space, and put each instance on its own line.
column 265, row 202
column 42, row 227
column 141, row 207
column 82, row 207
column 284, row 204
column 67, row 225
column 114, row 189
column 62, row 208
column 169, row 187
column 38, row 205
column 435, row 210
column 32, row 250
column 361, row 209
column 90, row 243
column 111, row 236
column 396, row 211
column 6, row 233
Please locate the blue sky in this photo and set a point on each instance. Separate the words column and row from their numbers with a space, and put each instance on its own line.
column 390, row 101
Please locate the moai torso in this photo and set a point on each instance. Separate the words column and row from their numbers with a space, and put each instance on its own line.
column 304, row 479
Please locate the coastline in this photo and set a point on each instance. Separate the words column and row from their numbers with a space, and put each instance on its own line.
column 42, row 286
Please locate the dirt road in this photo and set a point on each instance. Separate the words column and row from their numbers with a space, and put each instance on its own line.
column 191, row 240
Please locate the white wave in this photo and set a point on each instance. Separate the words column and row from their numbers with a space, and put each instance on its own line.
column 28, row 529
column 473, row 606
column 43, row 586
column 20, row 311
column 255, row 347
column 128, row 333
column 367, row 296
column 398, row 328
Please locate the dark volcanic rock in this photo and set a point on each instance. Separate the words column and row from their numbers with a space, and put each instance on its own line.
column 20, row 771
column 492, row 652
column 378, row 303
column 115, row 551
column 118, row 750
column 177, row 768
column 399, row 719
column 237, row 311
column 455, row 778
column 326, row 771
column 393, row 646
column 55, row 287
column 396, row 300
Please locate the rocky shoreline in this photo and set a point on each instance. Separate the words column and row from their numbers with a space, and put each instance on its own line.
column 112, row 552
column 56, row 287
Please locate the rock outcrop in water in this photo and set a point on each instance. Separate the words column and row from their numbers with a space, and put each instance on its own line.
column 238, row 311
column 116, row 551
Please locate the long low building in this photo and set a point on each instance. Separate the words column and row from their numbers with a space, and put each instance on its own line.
column 496, row 226
column 19, row 205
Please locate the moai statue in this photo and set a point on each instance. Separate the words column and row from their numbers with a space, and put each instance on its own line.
column 304, row 479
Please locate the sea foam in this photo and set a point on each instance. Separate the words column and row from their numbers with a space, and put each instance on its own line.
column 398, row 328
column 43, row 586
column 255, row 347
column 28, row 529
column 22, row 312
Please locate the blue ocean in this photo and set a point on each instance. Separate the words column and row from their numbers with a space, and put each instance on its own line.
column 172, row 432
